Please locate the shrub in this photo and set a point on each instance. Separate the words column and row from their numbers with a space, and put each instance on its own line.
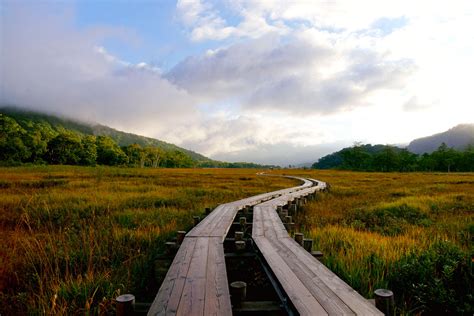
column 437, row 281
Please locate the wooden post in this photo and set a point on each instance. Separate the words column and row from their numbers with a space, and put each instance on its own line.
column 243, row 221
column 180, row 236
column 125, row 305
column 292, row 208
column 288, row 219
column 170, row 247
column 240, row 246
column 208, row 211
column 308, row 244
column 299, row 238
column 279, row 209
column 246, row 210
column 196, row 220
column 317, row 254
column 238, row 293
column 239, row 236
column 384, row 301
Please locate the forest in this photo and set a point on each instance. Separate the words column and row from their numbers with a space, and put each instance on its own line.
column 40, row 141
column 386, row 158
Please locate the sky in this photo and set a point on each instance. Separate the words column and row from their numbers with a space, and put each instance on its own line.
column 280, row 82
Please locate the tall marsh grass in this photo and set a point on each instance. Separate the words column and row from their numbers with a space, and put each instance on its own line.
column 73, row 238
column 412, row 233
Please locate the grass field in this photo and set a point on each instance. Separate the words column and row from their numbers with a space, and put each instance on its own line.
column 75, row 237
column 409, row 232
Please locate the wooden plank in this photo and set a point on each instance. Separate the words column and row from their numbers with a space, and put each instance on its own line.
column 194, row 291
column 296, row 291
column 348, row 295
column 257, row 229
column 167, row 299
column 217, row 298
column 320, row 291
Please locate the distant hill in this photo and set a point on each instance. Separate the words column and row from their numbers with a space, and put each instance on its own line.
column 458, row 137
column 339, row 159
column 29, row 120
column 122, row 138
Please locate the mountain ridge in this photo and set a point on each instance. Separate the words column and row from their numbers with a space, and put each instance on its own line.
column 457, row 137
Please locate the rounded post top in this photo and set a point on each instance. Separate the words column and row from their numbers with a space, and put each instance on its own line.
column 238, row 284
column 125, row 298
column 383, row 293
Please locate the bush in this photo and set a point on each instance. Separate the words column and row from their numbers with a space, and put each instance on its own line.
column 437, row 281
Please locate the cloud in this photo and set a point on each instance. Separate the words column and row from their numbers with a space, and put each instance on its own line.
column 296, row 75
column 62, row 69
column 281, row 77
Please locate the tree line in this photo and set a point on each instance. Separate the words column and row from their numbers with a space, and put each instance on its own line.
column 390, row 158
column 39, row 143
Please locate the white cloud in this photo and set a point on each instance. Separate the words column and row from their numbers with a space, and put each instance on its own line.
column 287, row 82
column 297, row 75
column 64, row 70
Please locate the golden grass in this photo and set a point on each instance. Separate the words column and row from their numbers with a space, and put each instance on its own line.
column 75, row 237
column 363, row 256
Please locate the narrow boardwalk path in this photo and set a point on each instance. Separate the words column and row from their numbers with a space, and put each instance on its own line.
column 197, row 284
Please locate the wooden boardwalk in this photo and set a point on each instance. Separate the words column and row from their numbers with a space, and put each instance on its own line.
column 196, row 283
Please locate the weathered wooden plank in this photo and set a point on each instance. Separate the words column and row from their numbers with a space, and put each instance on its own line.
column 194, row 291
column 294, row 288
column 167, row 299
column 217, row 299
column 320, row 291
column 348, row 295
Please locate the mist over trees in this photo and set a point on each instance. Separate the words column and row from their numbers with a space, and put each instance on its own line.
column 41, row 139
column 386, row 158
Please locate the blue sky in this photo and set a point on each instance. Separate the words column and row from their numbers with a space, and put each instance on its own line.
column 257, row 80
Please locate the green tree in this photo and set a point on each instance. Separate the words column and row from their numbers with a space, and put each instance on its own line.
column 444, row 158
column 356, row 158
column 64, row 149
column 136, row 155
column 408, row 161
column 153, row 156
column 88, row 150
column 467, row 159
column 37, row 138
column 177, row 159
column 12, row 146
column 109, row 153
column 386, row 160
